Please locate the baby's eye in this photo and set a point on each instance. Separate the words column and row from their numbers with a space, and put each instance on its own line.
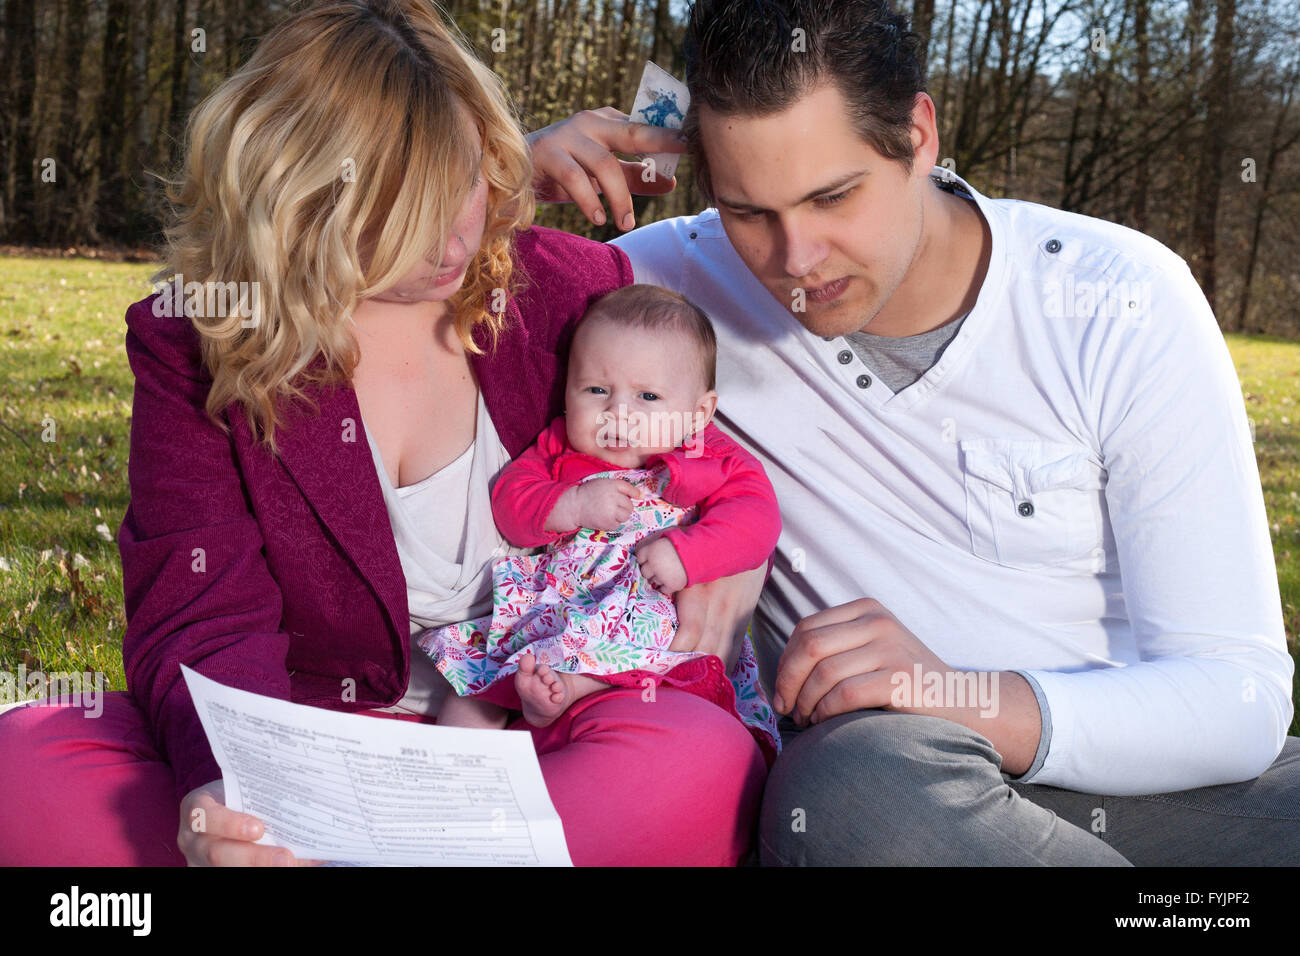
column 649, row 397
column 596, row 389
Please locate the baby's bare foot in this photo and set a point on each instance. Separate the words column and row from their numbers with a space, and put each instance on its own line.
column 545, row 693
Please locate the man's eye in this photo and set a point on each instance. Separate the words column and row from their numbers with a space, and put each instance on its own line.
column 833, row 199
column 748, row 216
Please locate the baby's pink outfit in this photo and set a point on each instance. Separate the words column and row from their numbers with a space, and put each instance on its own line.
column 583, row 606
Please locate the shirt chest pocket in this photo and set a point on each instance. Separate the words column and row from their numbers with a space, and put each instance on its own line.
column 1033, row 504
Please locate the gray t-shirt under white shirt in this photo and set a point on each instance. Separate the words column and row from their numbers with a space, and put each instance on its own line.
column 900, row 361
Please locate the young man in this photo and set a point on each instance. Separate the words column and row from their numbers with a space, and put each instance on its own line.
column 1025, row 581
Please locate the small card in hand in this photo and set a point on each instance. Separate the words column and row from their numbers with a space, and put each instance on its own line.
column 661, row 100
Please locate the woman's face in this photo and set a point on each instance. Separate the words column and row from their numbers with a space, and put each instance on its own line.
column 432, row 281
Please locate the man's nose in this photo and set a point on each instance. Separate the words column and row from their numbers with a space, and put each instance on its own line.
column 803, row 247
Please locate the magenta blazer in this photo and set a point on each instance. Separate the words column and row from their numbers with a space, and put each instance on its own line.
column 281, row 575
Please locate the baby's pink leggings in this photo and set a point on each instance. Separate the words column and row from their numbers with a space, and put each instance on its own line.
column 674, row 782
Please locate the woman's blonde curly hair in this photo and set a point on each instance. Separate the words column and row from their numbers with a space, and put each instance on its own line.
column 346, row 124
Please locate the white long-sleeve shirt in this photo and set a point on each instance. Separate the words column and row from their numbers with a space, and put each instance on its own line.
column 1069, row 493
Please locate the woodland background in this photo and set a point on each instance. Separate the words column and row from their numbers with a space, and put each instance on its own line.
column 1175, row 117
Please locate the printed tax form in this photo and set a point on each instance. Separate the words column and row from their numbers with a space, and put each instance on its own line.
column 353, row 788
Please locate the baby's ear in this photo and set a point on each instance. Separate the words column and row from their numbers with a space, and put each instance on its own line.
column 704, row 410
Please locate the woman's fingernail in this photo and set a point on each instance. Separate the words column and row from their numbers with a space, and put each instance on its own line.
column 629, row 221
column 250, row 830
column 779, row 703
column 599, row 217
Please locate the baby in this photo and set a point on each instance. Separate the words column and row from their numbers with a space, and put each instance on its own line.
column 636, row 495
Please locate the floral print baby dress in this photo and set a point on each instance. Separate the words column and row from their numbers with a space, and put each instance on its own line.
column 583, row 607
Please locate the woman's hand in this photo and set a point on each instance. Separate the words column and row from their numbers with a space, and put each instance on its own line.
column 573, row 160
column 712, row 616
column 211, row 834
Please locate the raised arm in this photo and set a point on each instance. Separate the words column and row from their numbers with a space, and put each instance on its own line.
column 574, row 161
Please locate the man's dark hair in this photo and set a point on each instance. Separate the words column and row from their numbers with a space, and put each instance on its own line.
column 743, row 57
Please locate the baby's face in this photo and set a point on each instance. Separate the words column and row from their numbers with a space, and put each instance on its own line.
column 634, row 392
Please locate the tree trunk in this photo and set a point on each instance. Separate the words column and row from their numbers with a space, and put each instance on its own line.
column 69, row 225
column 1209, row 176
column 661, row 50
column 179, row 85
column 626, row 27
column 145, row 122
column 23, row 173
column 944, row 105
column 1276, row 147
column 1142, row 183
column 922, row 18
column 110, row 110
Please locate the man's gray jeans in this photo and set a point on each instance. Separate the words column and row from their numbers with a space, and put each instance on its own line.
column 878, row 788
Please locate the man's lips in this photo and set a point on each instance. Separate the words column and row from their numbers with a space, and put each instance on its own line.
column 828, row 291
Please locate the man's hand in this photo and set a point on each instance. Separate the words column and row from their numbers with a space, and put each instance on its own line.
column 712, row 616
column 661, row 565
column 842, row 659
column 573, row 160
column 845, row 658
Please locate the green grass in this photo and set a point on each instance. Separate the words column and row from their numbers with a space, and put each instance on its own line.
column 1269, row 370
column 62, row 360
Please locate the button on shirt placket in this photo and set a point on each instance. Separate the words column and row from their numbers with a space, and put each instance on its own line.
column 846, row 357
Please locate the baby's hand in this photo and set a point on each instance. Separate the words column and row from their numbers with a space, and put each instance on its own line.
column 602, row 504
column 661, row 565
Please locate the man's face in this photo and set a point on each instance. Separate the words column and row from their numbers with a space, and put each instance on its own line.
column 808, row 205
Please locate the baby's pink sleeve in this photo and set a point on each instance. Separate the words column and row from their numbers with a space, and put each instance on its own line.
column 526, row 493
column 738, row 526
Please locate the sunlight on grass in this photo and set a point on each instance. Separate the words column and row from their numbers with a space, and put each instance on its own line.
column 63, row 373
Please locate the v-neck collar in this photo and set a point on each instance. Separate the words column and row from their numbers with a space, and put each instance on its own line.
column 976, row 323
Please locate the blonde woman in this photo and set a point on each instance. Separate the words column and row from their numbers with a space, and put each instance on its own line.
column 310, row 467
